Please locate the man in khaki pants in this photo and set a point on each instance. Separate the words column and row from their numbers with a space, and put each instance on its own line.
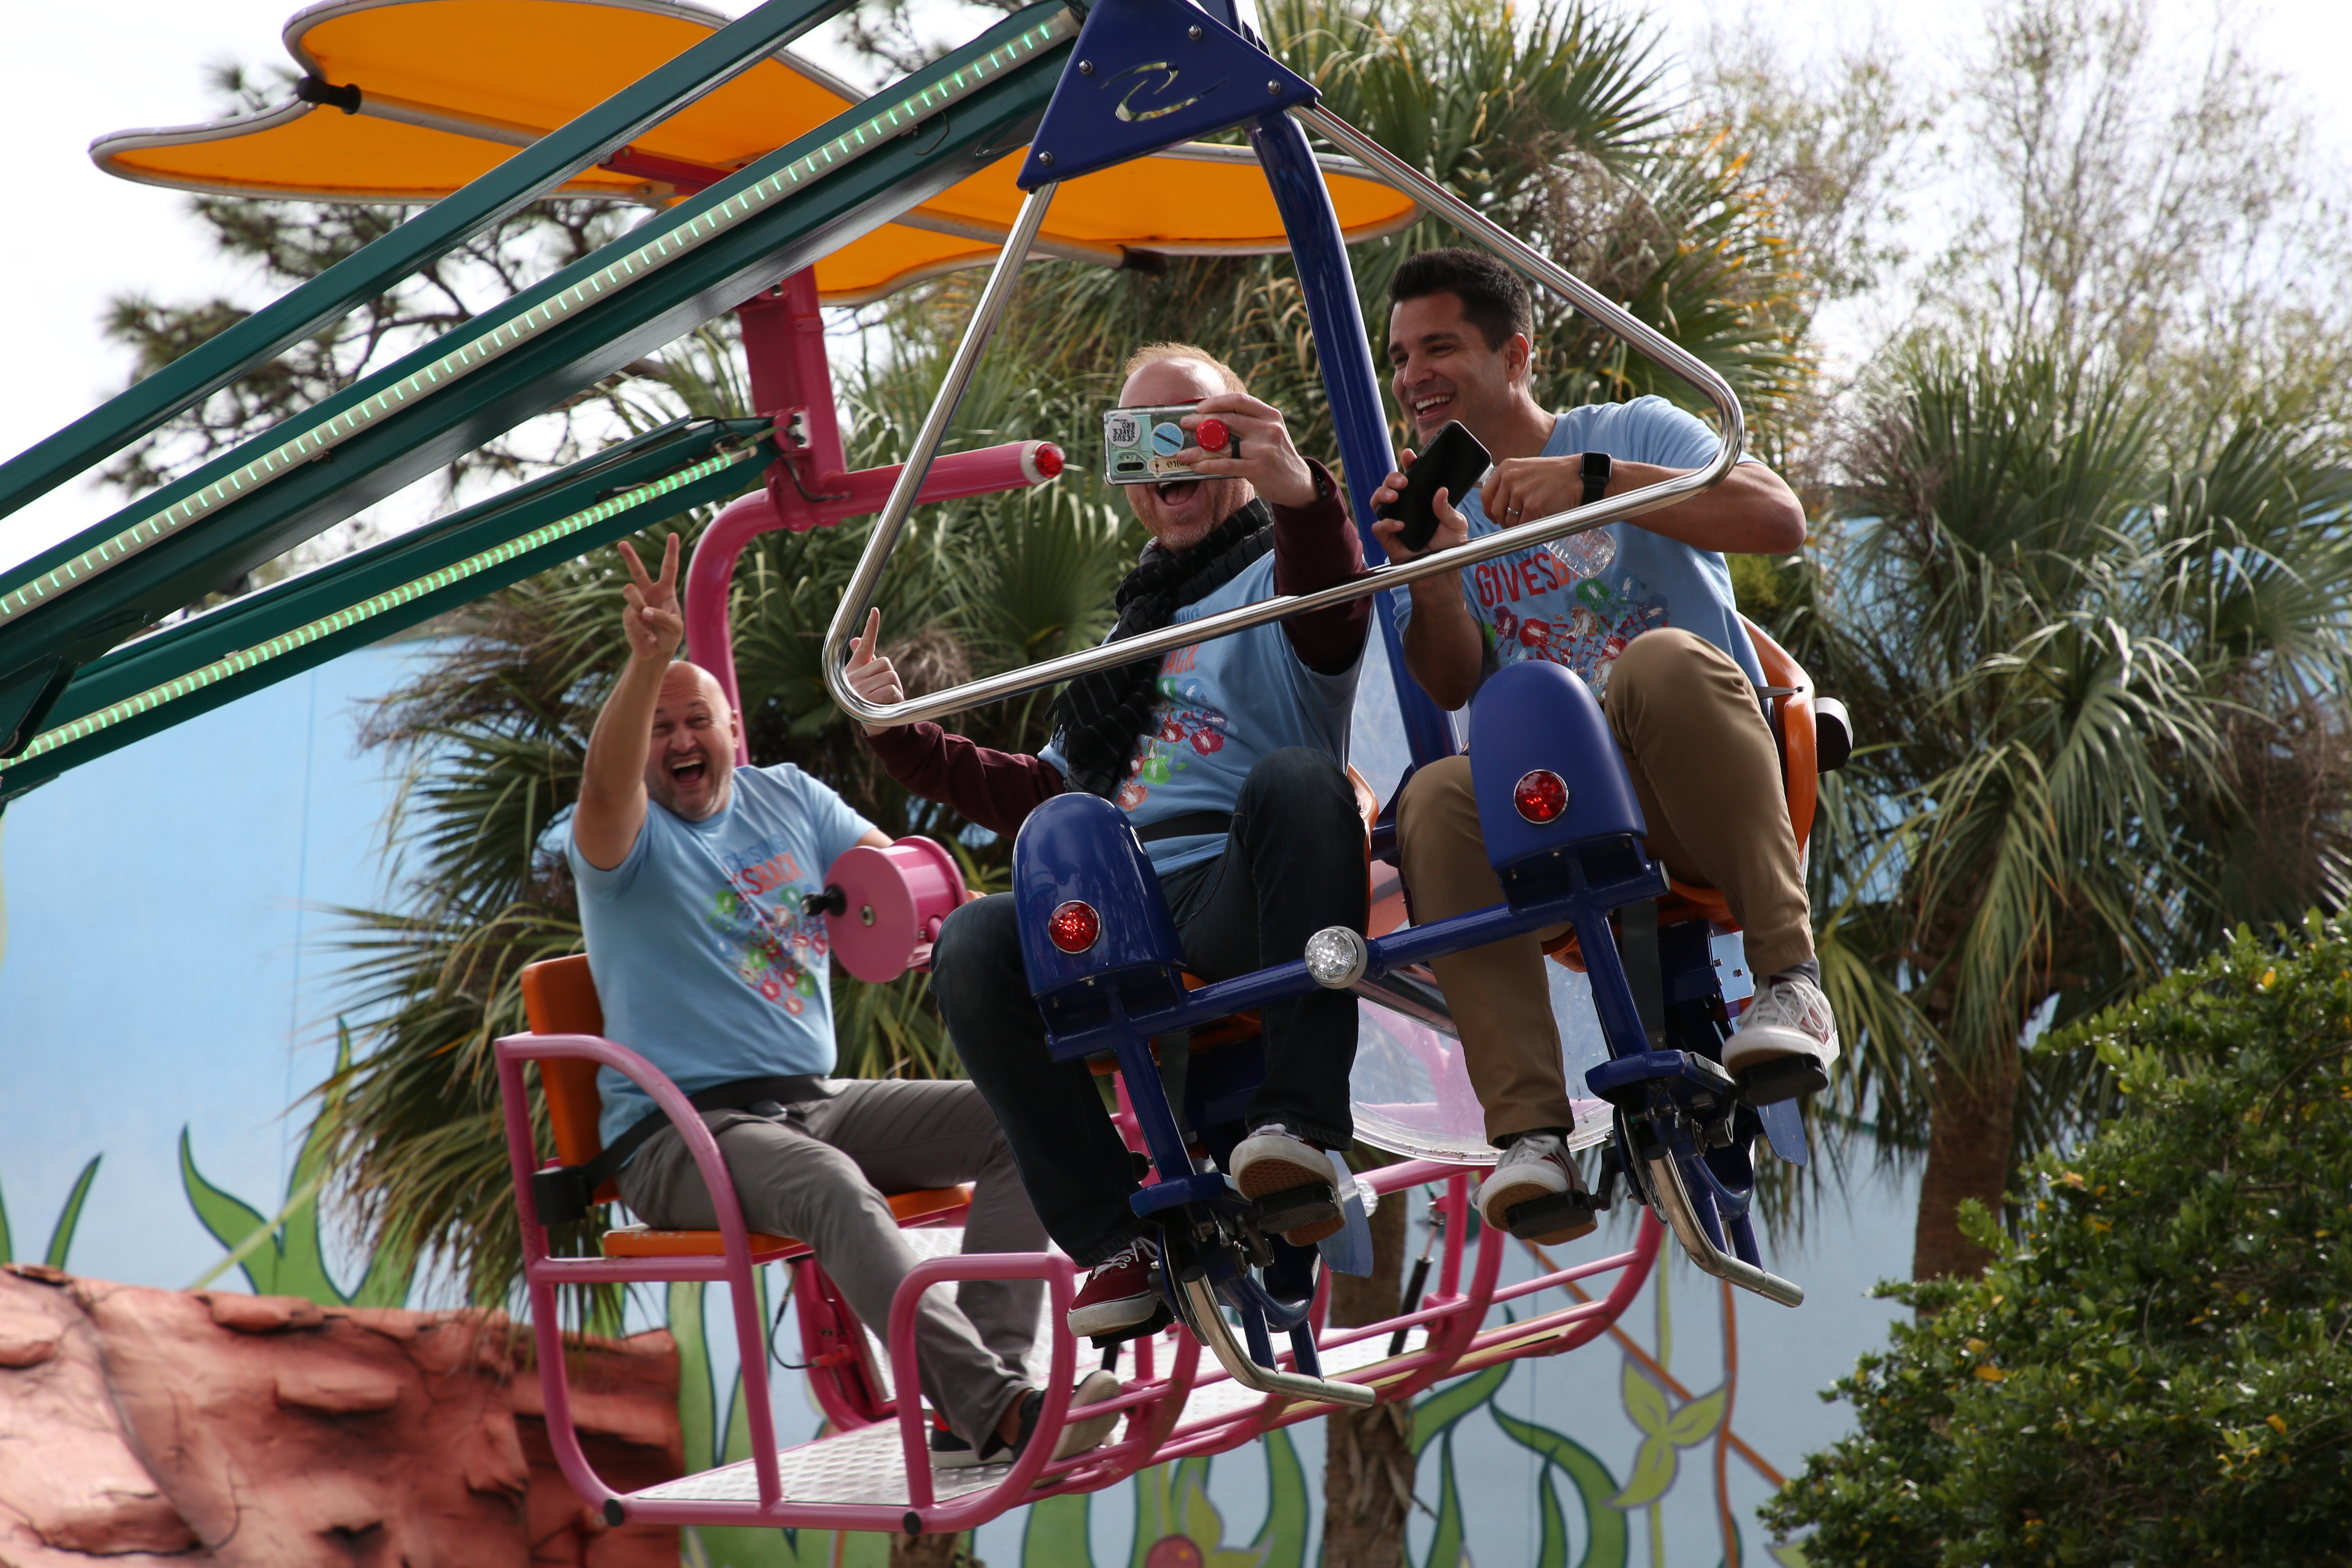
column 1642, row 611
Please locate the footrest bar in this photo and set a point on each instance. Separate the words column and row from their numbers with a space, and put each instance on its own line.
column 1209, row 1322
column 1673, row 1198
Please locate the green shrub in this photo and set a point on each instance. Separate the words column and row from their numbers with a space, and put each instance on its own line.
column 2155, row 1369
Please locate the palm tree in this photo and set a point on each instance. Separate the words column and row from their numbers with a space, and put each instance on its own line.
column 2085, row 683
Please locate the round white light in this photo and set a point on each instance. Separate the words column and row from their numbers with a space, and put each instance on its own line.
column 1337, row 957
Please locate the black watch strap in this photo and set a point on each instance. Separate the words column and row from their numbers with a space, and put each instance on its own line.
column 1596, row 476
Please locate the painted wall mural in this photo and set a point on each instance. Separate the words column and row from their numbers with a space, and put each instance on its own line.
column 157, row 1135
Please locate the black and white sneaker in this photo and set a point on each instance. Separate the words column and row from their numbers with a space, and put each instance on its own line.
column 1536, row 1169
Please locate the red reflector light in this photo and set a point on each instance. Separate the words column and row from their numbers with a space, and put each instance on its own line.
column 1047, row 459
column 1212, row 434
column 1073, row 927
column 1541, row 795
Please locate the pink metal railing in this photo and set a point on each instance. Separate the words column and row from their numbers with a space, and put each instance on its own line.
column 1154, row 1404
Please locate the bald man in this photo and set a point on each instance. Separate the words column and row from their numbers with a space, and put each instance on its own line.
column 691, row 872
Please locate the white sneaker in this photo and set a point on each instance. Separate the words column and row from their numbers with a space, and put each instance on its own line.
column 1081, row 1432
column 1788, row 1019
column 1273, row 1160
column 1536, row 1165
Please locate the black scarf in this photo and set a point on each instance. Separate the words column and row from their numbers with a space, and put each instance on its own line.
column 1102, row 715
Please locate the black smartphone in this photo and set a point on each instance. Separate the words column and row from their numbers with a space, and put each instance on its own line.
column 1454, row 463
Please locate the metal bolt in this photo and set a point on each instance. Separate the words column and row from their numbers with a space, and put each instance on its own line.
column 1086, row 68
column 1274, row 90
column 1045, row 160
column 1194, row 32
column 865, row 914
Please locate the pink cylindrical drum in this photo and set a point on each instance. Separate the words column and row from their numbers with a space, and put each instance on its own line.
column 894, row 899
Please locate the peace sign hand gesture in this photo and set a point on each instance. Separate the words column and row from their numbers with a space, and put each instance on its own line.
column 654, row 623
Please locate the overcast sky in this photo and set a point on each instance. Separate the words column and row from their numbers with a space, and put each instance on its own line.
column 83, row 236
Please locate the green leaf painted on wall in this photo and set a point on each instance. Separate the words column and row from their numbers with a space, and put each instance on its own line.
column 1665, row 1433
column 69, row 1218
column 231, row 1220
column 1608, row 1535
column 1055, row 1534
column 697, row 1415
column 1695, row 1422
column 1282, row 1539
column 1450, row 1404
column 1445, row 1540
column 1552, row 1549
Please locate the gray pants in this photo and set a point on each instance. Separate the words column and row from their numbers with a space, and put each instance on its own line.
column 819, row 1174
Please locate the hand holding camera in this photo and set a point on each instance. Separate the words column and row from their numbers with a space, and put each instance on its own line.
column 1228, row 436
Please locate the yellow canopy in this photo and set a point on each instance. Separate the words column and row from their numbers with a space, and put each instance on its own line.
column 448, row 89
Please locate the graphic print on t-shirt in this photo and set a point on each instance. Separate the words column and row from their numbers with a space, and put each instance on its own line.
column 1530, row 604
column 1603, row 614
column 757, row 928
column 1185, row 726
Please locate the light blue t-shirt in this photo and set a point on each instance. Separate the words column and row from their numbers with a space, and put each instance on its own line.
column 703, row 961
column 1224, row 705
column 1529, row 605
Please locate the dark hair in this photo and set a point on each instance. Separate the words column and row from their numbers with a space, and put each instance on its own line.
column 1493, row 298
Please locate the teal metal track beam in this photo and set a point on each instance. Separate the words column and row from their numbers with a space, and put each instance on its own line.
column 256, row 641
column 423, row 240
column 398, row 433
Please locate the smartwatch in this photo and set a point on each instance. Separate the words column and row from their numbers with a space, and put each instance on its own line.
column 1596, row 476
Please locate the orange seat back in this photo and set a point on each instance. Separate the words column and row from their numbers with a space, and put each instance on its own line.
column 559, row 997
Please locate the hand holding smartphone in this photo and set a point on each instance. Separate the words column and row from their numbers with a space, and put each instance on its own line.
column 1454, row 463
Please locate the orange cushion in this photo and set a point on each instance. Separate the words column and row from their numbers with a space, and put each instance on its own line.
column 641, row 1241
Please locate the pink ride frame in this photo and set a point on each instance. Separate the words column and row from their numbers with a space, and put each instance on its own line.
column 1156, row 1431
column 783, row 345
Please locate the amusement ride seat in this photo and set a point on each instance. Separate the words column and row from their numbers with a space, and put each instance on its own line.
column 1808, row 747
column 559, row 997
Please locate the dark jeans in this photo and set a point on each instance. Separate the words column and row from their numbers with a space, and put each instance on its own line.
column 1293, row 864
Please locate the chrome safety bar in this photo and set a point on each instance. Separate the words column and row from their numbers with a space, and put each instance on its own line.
column 1645, row 339
column 1665, row 1183
column 1208, row 1323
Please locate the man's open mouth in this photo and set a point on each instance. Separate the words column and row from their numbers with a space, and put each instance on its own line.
column 1431, row 405
column 690, row 770
column 1176, row 491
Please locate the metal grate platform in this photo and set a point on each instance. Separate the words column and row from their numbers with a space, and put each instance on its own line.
column 868, row 1465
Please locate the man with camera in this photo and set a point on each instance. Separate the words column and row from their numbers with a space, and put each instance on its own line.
column 1228, row 759
column 1642, row 611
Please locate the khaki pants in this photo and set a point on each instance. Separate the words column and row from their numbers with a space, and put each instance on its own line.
column 1708, row 779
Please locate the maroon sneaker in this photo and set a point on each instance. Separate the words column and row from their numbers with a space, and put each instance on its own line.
column 1119, row 1293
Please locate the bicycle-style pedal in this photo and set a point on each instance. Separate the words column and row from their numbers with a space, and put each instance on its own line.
column 1782, row 1077
column 1292, row 1208
column 1555, row 1217
column 1161, row 1317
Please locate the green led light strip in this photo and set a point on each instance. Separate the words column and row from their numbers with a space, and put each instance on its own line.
column 689, row 236
column 368, row 609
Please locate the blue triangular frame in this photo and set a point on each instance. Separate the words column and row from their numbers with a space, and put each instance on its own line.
column 1148, row 74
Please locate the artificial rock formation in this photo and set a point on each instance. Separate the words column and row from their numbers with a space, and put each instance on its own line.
column 145, row 1426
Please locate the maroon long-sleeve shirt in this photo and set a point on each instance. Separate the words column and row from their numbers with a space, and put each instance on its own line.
column 1314, row 547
